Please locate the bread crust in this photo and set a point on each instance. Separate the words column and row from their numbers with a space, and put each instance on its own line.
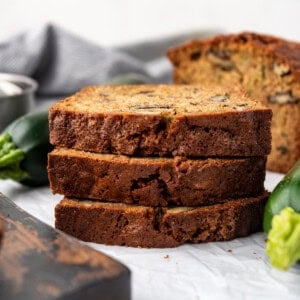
column 154, row 181
column 141, row 226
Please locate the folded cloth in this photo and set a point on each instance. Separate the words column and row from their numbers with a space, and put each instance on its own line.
column 62, row 62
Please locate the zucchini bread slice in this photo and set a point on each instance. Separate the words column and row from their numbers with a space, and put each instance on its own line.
column 142, row 226
column 269, row 70
column 162, row 120
column 154, row 181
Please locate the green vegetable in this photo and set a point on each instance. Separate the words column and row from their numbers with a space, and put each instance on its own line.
column 286, row 194
column 283, row 245
column 282, row 221
column 24, row 146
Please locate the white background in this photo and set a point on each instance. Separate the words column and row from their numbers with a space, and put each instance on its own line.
column 115, row 22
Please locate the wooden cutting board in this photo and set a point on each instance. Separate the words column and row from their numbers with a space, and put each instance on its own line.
column 39, row 262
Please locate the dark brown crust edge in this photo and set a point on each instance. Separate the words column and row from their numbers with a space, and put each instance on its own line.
column 139, row 226
column 154, row 182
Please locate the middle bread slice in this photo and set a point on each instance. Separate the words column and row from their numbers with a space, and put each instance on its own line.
column 154, row 181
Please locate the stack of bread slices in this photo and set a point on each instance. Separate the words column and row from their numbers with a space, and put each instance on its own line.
column 159, row 165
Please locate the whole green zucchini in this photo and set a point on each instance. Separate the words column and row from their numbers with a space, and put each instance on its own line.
column 285, row 194
column 24, row 146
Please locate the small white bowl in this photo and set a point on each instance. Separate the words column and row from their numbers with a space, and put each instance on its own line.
column 17, row 103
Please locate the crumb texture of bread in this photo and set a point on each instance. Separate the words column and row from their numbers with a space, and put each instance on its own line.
column 141, row 226
column 267, row 67
column 154, row 181
column 162, row 120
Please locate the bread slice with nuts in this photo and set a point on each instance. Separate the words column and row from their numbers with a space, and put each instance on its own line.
column 269, row 69
column 162, row 120
column 142, row 226
column 154, row 181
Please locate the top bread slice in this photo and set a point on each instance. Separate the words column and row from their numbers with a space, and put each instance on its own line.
column 268, row 68
column 162, row 120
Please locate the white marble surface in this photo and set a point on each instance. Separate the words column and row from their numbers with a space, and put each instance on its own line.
column 226, row 270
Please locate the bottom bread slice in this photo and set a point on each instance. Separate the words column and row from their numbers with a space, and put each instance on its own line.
column 142, row 226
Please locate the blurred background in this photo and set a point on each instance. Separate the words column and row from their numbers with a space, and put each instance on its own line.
column 118, row 22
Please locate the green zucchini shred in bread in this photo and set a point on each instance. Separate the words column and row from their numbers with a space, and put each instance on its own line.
column 269, row 70
column 162, row 120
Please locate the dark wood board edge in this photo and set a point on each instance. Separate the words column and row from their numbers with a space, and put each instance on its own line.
column 40, row 262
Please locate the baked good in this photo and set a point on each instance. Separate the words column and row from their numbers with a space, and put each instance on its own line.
column 267, row 67
column 161, row 120
column 1, row 232
column 142, row 226
column 154, row 181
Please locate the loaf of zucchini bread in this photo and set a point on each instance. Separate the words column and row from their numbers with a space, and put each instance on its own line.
column 269, row 69
column 162, row 120
column 154, row 181
column 142, row 226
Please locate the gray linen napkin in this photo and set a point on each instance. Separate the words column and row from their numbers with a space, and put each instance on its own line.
column 62, row 62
